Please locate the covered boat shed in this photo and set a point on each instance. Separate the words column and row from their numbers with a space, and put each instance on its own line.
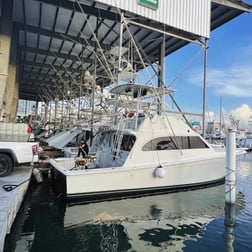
column 47, row 45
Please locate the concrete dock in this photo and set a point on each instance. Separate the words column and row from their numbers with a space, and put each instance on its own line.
column 13, row 189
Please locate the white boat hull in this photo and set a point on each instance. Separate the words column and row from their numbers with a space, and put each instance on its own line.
column 150, row 159
column 118, row 180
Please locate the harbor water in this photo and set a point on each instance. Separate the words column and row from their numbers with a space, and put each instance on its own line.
column 196, row 220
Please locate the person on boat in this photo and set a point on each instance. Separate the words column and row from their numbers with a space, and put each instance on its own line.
column 29, row 131
column 83, row 149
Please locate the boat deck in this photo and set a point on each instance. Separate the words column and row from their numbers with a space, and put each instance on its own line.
column 12, row 200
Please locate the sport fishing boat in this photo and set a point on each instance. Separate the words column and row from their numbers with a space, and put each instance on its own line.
column 148, row 151
column 149, row 148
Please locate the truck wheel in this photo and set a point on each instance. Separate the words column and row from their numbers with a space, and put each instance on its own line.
column 6, row 165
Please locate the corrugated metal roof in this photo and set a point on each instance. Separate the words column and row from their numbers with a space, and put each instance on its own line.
column 57, row 37
column 191, row 16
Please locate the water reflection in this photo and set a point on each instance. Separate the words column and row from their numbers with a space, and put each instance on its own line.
column 229, row 223
column 43, row 228
column 155, row 223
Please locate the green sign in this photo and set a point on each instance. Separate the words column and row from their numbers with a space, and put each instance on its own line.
column 149, row 3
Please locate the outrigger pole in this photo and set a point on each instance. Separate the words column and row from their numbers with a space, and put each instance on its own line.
column 204, row 88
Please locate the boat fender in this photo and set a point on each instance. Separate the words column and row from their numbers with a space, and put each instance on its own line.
column 37, row 174
column 159, row 172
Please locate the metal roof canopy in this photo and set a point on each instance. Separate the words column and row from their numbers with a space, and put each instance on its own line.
column 56, row 41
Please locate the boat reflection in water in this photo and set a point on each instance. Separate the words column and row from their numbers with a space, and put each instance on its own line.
column 182, row 221
column 156, row 223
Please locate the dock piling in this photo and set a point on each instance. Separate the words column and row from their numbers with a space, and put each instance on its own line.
column 230, row 180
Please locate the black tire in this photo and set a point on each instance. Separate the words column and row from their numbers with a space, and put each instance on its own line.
column 6, row 165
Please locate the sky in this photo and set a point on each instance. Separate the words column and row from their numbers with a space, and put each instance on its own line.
column 228, row 77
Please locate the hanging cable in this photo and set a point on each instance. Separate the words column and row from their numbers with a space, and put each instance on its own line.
column 97, row 41
column 185, row 67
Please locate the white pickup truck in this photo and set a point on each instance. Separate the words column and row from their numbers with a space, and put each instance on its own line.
column 16, row 153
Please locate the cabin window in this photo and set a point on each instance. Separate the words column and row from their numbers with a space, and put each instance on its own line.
column 127, row 142
column 174, row 143
column 196, row 143
column 103, row 139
